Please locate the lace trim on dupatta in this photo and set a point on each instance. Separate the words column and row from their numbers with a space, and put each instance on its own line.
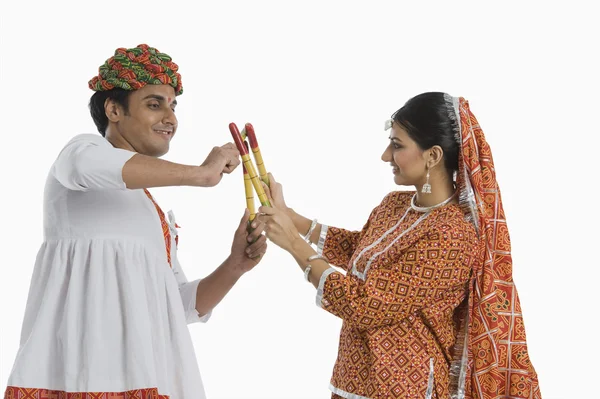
column 466, row 195
column 467, row 203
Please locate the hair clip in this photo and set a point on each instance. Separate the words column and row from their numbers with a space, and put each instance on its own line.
column 388, row 124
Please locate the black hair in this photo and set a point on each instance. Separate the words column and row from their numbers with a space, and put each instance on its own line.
column 428, row 120
column 118, row 95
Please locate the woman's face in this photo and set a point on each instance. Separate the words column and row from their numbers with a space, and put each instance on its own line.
column 405, row 157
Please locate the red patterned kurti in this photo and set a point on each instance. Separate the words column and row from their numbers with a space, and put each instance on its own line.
column 404, row 280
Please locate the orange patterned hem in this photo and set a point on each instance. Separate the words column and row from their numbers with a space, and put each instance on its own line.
column 165, row 227
column 40, row 393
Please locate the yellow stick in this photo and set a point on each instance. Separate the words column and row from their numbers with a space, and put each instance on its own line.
column 249, row 194
column 260, row 165
column 262, row 196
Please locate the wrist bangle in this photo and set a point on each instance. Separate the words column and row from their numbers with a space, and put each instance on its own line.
column 306, row 272
column 317, row 256
column 310, row 230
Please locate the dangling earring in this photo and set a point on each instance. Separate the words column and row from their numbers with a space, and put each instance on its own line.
column 426, row 187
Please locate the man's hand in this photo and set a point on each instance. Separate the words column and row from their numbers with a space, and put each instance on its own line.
column 247, row 248
column 220, row 160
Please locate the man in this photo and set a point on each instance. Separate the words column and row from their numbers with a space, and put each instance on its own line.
column 109, row 302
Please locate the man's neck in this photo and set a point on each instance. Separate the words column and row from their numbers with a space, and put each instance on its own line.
column 118, row 141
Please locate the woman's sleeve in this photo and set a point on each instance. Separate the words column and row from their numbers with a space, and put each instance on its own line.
column 437, row 265
column 90, row 162
column 338, row 244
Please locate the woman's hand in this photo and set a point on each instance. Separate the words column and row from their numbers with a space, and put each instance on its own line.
column 275, row 194
column 279, row 228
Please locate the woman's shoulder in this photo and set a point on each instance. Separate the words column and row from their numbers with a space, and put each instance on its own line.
column 452, row 219
column 397, row 198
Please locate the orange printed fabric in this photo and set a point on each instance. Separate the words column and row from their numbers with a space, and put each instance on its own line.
column 342, row 243
column 165, row 227
column 36, row 393
column 398, row 298
column 498, row 361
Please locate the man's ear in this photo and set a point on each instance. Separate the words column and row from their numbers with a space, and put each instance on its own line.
column 114, row 112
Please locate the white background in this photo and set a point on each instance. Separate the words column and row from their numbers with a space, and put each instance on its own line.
column 318, row 79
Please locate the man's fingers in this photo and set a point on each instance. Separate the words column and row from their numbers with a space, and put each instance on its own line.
column 233, row 162
column 234, row 157
column 230, row 148
column 231, row 152
column 256, row 229
column 257, row 244
column 244, row 221
column 258, row 251
column 228, row 169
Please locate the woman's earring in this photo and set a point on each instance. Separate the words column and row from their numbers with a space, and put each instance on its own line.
column 426, row 187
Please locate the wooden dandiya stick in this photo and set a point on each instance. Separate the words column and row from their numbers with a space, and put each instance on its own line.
column 260, row 164
column 249, row 190
column 247, row 162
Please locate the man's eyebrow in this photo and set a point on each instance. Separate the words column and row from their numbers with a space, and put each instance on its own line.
column 155, row 96
column 159, row 98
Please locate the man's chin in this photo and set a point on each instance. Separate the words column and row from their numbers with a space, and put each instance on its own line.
column 157, row 152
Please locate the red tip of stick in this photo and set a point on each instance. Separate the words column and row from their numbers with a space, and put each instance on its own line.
column 237, row 139
column 251, row 135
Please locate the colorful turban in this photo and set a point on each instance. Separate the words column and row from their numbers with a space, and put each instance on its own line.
column 134, row 68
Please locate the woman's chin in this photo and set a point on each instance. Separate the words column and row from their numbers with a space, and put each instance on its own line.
column 399, row 180
column 402, row 182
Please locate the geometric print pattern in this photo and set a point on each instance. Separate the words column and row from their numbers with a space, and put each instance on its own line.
column 498, row 362
column 36, row 393
column 399, row 320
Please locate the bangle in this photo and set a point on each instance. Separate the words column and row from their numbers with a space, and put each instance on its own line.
column 306, row 272
column 317, row 256
column 310, row 230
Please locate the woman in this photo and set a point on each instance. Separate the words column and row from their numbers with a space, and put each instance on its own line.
column 428, row 304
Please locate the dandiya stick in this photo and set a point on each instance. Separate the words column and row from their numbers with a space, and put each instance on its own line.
column 260, row 164
column 247, row 162
column 249, row 190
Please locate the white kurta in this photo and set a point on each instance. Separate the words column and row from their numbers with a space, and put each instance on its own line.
column 105, row 312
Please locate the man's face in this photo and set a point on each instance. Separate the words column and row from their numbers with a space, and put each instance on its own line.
column 150, row 123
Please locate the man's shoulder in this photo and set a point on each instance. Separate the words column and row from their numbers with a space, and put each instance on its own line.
column 88, row 138
column 79, row 141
